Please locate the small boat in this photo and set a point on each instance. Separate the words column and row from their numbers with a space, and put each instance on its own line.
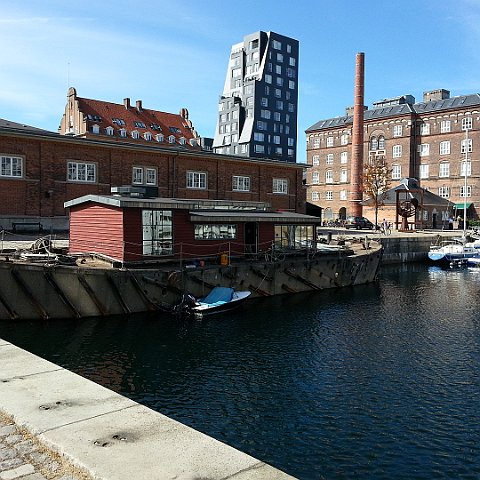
column 220, row 299
column 453, row 250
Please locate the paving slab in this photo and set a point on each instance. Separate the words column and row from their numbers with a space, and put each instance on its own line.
column 110, row 436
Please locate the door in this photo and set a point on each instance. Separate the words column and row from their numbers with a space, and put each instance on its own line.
column 251, row 237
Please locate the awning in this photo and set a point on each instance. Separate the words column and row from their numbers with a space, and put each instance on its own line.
column 461, row 206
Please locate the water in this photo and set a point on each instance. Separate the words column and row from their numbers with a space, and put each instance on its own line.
column 373, row 382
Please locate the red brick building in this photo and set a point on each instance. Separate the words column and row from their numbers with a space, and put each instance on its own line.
column 42, row 170
column 435, row 141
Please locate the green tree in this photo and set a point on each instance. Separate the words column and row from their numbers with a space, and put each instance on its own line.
column 376, row 179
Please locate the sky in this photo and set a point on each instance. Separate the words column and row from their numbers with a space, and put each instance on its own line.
column 172, row 55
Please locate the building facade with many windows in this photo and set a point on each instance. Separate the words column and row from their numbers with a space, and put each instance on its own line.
column 257, row 114
column 436, row 141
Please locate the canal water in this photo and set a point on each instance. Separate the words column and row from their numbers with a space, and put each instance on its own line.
column 373, row 382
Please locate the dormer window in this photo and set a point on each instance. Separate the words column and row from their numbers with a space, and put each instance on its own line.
column 123, row 132
column 174, row 129
column 135, row 135
column 94, row 118
column 182, row 140
column 96, row 129
column 159, row 137
column 156, row 127
column 147, row 136
column 193, row 142
column 139, row 124
column 171, row 139
column 118, row 121
column 109, row 130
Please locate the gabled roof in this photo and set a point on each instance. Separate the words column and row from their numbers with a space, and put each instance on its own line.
column 402, row 109
column 134, row 118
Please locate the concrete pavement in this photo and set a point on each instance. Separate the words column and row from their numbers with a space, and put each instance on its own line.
column 102, row 433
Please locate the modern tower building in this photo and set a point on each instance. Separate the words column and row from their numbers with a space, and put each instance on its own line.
column 258, row 108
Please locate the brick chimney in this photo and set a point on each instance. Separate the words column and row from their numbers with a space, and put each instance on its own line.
column 356, row 190
column 126, row 103
column 138, row 105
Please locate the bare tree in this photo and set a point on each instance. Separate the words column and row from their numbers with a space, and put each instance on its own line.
column 376, row 179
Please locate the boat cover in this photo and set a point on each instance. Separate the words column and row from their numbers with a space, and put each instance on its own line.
column 218, row 295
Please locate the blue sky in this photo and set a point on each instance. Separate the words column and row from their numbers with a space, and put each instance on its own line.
column 174, row 55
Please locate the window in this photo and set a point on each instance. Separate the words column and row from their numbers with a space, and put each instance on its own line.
column 397, row 130
column 147, row 136
column 290, row 152
column 261, row 125
column 444, row 169
column 329, row 195
column 316, row 142
column 445, row 126
column 329, row 159
column 258, row 136
column 277, row 116
column 373, row 144
column 279, row 105
column 135, row 134
column 138, row 124
column 343, row 194
column 96, row 129
column 109, row 130
column 467, row 123
column 466, row 169
column 466, row 192
column 290, row 142
column 137, row 176
column 381, row 142
column 278, row 69
column 316, row 160
column 259, row 148
column 278, row 93
column 424, row 149
column 291, row 61
column 291, row 85
column 315, row 177
column 215, row 232
column 276, row 139
column 157, row 232
column 344, row 175
column 291, row 107
column 264, row 102
column 182, row 141
column 329, row 141
column 81, row 172
column 122, row 132
column 445, row 148
column 444, row 192
column 280, row 185
column 118, row 121
column 197, row 180
column 171, row 139
column 151, row 176
column 174, row 129
column 265, row 114
column 291, row 72
column 268, row 78
column 11, row 167
column 329, row 176
column 279, row 81
column 315, row 197
column 396, row 172
column 397, row 151
column 344, row 157
column 424, row 129
column 277, row 45
column 240, row 183
column 159, row 137
column 424, row 170
column 279, row 57
column 466, row 146
column 344, row 139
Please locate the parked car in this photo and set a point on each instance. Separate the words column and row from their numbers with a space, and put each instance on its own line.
column 358, row 223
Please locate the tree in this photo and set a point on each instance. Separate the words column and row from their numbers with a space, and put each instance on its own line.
column 376, row 179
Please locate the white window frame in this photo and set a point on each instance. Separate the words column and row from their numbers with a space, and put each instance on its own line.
column 150, row 176
column 315, row 178
column 329, row 176
column 197, row 180
column 344, row 157
column 343, row 194
column 316, row 160
column 396, row 151
column 396, row 172
column 444, row 169
column 109, row 131
column 462, row 191
column 329, row 159
column 315, row 196
column 159, row 137
column 240, row 183
column 424, row 129
column 462, row 168
column 467, row 123
column 397, row 130
column 329, row 141
column 444, row 147
column 444, row 191
column 344, row 139
column 81, row 172
column 424, row 149
column 280, row 186
column 11, row 167
column 137, row 175
column 344, row 175
column 424, row 170
column 328, row 195
column 466, row 146
column 445, row 126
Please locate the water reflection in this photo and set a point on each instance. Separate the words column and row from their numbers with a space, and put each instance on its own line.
column 376, row 381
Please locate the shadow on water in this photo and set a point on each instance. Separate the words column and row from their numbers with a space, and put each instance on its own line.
column 376, row 381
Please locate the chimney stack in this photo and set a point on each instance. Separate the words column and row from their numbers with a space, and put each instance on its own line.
column 356, row 192
column 126, row 103
column 139, row 105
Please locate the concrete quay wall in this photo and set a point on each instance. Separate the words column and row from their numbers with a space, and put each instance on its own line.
column 107, row 435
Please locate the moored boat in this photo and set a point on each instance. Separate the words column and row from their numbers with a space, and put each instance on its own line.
column 453, row 250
